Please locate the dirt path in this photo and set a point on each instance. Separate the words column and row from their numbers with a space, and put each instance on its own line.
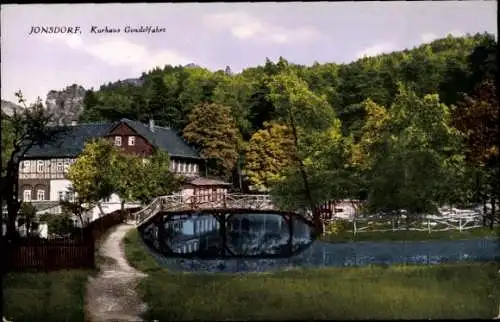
column 111, row 294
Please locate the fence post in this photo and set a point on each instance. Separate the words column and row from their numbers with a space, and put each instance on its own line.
column 429, row 225
column 460, row 223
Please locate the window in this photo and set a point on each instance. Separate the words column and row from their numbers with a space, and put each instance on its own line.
column 190, row 167
column 40, row 194
column 131, row 140
column 39, row 166
column 71, row 196
column 107, row 199
column 195, row 168
column 118, row 140
column 66, row 166
column 184, row 167
column 172, row 166
column 60, row 195
column 26, row 165
column 178, row 167
column 59, row 167
column 27, row 195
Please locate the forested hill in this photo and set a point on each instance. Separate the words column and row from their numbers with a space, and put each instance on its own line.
column 446, row 66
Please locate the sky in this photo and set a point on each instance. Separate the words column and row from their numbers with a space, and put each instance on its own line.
column 213, row 35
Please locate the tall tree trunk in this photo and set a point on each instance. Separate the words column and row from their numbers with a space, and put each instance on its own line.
column 485, row 212
column 122, row 211
column 99, row 206
column 315, row 213
column 493, row 211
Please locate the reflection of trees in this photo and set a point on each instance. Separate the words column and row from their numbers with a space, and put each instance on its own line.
column 257, row 235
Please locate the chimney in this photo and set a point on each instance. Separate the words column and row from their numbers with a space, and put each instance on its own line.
column 152, row 125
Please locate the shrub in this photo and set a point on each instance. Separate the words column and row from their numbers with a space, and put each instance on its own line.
column 337, row 226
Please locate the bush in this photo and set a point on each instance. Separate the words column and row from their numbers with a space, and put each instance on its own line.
column 59, row 224
column 336, row 227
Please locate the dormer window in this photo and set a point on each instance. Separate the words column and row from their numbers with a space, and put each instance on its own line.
column 131, row 140
column 118, row 140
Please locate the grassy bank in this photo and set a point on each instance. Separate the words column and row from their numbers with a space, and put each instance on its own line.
column 54, row 296
column 411, row 292
column 410, row 235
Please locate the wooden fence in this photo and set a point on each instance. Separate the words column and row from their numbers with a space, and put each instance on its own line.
column 39, row 254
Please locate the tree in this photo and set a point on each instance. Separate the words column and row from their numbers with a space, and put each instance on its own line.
column 234, row 92
column 94, row 173
column 159, row 180
column 311, row 120
column 477, row 117
column 28, row 213
column 160, row 107
column 414, row 154
column 268, row 153
column 77, row 206
column 29, row 127
column 213, row 131
column 131, row 180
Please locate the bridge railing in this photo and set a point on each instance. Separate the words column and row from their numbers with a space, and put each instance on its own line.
column 205, row 201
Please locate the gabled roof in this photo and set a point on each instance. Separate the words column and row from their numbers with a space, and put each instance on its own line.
column 72, row 142
column 164, row 138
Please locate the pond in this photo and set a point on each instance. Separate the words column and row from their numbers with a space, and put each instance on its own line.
column 257, row 242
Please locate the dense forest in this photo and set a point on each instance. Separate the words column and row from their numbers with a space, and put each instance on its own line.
column 406, row 130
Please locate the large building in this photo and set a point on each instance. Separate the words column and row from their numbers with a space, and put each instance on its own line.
column 43, row 170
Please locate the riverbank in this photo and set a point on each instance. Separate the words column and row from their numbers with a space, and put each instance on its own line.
column 454, row 291
column 410, row 235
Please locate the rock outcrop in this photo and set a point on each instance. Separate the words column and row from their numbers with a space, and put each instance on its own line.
column 66, row 106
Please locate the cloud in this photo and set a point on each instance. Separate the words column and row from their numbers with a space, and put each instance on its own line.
column 118, row 51
column 244, row 26
column 376, row 50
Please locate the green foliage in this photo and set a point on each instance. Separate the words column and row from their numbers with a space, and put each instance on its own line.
column 27, row 127
column 378, row 128
column 156, row 178
column 7, row 143
column 160, row 105
column 94, row 173
column 213, row 131
column 269, row 152
column 413, row 156
column 336, row 227
column 60, row 225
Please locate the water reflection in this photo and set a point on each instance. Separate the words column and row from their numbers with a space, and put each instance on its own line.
column 261, row 234
column 229, row 235
column 192, row 233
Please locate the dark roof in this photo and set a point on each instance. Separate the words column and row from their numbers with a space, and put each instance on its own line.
column 71, row 143
column 164, row 138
